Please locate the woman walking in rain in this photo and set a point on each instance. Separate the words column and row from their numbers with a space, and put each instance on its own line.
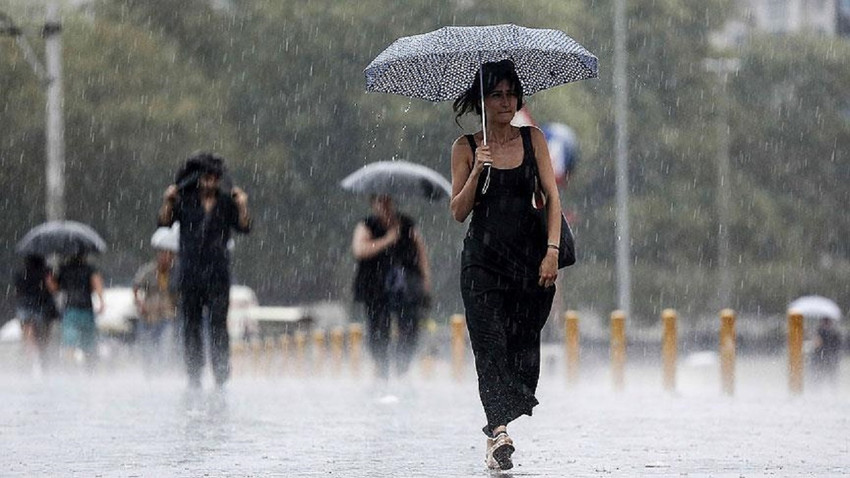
column 36, row 310
column 79, row 280
column 393, row 278
column 510, row 260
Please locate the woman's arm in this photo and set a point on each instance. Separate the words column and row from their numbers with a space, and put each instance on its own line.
column 465, row 176
column 549, row 264
column 97, row 287
column 364, row 246
column 424, row 263
column 549, row 186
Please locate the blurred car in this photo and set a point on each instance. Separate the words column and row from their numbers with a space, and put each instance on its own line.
column 120, row 317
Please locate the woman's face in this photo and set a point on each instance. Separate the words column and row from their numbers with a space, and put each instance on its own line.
column 500, row 104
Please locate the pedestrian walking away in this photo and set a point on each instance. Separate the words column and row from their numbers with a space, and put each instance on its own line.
column 393, row 279
column 35, row 308
column 510, row 255
column 156, row 304
column 207, row 209
column 78, row 280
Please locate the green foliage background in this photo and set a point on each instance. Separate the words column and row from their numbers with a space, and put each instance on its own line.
column 277, row 87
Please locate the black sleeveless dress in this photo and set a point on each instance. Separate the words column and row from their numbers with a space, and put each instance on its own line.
column 505, row 236
column 505, row 306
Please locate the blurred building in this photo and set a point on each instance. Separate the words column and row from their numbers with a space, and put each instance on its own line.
column 829, row 17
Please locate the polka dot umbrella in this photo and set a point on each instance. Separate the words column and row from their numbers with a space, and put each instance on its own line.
column 441, row 65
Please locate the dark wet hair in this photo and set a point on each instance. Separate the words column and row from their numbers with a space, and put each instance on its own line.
column 207, row 163
column 494, row 73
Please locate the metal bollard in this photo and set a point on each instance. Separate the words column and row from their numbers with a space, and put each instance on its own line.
column 268, row 358
column 318, row 351
column 618, row 349
column 669, row 348
column 428, row 356
column 237, row 351
column 727, row 351
column 355, row 343
column 795, row 352
column 284, row 352
column 571, row 341
column 458, row 345
column 337, row 345
column 300, row 345
column 256, row 356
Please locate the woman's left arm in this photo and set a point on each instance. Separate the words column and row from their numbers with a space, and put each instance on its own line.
column 424, row 264
column 549, row 265
column 97, row 288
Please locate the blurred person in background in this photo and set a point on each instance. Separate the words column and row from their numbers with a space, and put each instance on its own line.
column 826, row 353
column 35, row 308
column 393, row 279
column 157, row 306
column 208, row 208
column 78, row 280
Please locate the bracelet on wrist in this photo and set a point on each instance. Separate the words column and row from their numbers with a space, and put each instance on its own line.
column 553, row 246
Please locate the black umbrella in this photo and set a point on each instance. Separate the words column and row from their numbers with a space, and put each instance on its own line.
column 398, row 178
column 67, row 238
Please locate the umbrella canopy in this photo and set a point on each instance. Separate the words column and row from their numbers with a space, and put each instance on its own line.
column 61, row 237
column 441, row 65
column 398, row 178
column 816, row 307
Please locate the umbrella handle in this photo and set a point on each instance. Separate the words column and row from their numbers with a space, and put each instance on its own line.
column 483, row 124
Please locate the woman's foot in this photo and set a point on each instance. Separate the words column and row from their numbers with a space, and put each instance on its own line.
column 499, row 451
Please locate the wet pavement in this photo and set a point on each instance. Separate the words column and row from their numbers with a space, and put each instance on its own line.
column 120, row 424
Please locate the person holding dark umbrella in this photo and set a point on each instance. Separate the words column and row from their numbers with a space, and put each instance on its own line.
column 510, row 260
column 207, row 211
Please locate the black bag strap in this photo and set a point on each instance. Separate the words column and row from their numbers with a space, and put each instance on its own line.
column 472, row 145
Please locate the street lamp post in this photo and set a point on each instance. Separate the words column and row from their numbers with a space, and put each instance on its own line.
column 621, row 113
column 722, row 67
column 50, row 74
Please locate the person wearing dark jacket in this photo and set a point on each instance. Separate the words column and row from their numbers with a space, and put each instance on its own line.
column 393, row 279
column 206, row 214
column 35, row 308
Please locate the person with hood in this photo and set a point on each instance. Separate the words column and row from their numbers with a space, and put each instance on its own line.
column 207, row 210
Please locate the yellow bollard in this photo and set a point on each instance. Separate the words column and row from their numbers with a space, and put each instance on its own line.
column 618, row 348
column 318, row 351
column 300, row 345
column 727, row 351
column 237, row 352
column 795, row 352
column 268, row 359
column 571, row 341
column 458, row 345
column 355, row 343
column 428, row 355
column 284, row 352
column 337, row 345
column 669, row 349
column 256, row 356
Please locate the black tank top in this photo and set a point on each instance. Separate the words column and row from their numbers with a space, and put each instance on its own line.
column 505, row 234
